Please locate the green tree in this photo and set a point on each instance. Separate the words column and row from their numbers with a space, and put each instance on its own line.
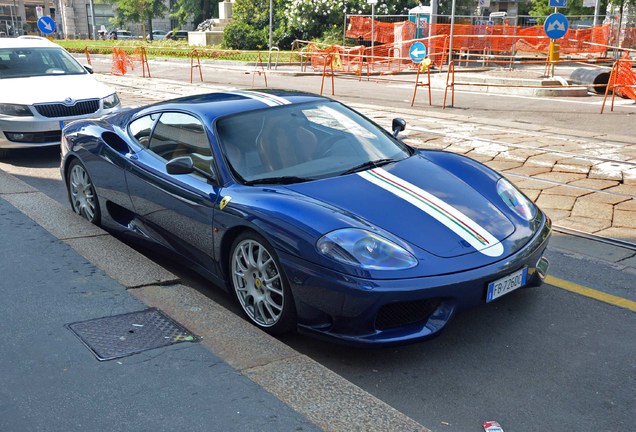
column 197, row 10
column 249, row 29
column 138, row 11
column 574, row 7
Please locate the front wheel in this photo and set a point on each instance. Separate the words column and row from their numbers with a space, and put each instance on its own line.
column 81, row 193
column 260, row 286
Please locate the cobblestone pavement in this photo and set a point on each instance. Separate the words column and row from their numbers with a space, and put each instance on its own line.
column 586, row 182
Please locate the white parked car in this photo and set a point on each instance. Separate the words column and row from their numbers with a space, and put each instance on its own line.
column 43, row 87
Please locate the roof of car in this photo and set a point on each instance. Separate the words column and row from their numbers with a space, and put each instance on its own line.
column 26, row 42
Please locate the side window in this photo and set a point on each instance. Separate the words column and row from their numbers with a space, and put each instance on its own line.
column 141, row 128
column 178, row 134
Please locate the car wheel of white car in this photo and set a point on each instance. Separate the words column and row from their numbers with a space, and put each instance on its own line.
column 260, row 285
column 81, row 193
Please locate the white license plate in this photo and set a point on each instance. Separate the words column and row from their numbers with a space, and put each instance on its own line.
column 506, row 284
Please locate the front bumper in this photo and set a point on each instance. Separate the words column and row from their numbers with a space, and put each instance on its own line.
column 366, row 312
column 26, row 132
column 38, row 130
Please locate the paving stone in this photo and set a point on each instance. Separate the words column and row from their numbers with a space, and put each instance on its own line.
column 459, row 148
column 624, row 219
column 527, row 170
column 555, row 214
column 629, row 177
column 573, row 166
column 620, row 233
column 543, row 160
column 623, row 189
column 603, row 197
column 500, row 165
column 607, row 171
column 568, row 190
column 525, row 183
column 598, row 184
column 517, row 154
column 532, row 194
column 558, row 202
column 627, row 205
column 479, row 157
column 585, row 224
column 591, row 209
column 563, row 177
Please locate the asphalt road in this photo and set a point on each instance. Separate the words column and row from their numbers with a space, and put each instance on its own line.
column 538, row 359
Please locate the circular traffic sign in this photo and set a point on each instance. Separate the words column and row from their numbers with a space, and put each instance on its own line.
column 417, row 52
column 556, row 26
column 46, row 24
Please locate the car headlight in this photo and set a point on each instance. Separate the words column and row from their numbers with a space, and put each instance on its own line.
column 515, row 200
column 15, row 110
column 365, row 249
column 110, row 101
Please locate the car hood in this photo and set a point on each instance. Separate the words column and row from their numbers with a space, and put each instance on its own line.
column 52, row 88
column 421, row 203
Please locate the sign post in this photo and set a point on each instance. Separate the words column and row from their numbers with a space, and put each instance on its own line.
column 372, row 3
column 555, row 27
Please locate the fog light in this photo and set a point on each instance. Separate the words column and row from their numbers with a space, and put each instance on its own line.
column 15, row 136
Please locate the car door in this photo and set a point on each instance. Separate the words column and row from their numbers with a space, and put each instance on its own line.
column 176, row 210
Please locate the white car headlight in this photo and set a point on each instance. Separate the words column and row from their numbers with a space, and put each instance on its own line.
column 15, row 110
column 365, row 250
column 110, row 101
column 515, row 200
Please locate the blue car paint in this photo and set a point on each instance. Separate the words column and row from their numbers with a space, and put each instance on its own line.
column 332, row 299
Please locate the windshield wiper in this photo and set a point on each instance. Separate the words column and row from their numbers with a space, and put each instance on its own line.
column 277, row 180
column 367, row 165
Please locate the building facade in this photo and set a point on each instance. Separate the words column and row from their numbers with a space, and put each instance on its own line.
column 73, row 18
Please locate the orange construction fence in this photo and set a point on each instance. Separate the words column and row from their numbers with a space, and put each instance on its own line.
column 122, row 61
column 622, row 81
column 524, row 38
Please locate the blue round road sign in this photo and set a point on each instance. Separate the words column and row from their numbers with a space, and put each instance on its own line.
column 46, row 24
column 556, row 26
column 417, row 52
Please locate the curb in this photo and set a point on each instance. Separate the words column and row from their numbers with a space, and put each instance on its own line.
column 322, row 396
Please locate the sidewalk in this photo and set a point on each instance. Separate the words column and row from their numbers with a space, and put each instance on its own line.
column 57, row 269
column 51, row 382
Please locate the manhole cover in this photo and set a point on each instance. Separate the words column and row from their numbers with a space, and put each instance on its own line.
column 122, row 335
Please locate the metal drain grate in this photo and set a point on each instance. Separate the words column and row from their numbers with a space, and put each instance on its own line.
column 122, row 335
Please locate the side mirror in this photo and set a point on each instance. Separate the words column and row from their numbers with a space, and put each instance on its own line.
column 398, row 126
column 185, row 165
column 88, row 68
column 180, row 165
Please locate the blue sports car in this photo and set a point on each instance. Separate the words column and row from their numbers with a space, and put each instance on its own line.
column 314, row 217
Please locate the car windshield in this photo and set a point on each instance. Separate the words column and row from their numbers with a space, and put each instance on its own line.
column 37, row 61
column 301, row 142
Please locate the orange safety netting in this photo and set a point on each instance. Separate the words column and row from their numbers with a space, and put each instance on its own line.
column 121, row 62
column 625, row 79
column 492, row 38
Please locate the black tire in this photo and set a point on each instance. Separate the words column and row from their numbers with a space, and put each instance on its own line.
column 81, row 193
column 260, row 286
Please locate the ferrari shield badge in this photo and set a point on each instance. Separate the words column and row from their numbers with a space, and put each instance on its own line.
column 225, row 201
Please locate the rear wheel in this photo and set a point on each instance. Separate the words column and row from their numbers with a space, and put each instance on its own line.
column 81, row 193
column 260, row 286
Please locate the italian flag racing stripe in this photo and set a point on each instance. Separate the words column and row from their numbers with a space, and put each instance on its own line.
column 443, row 212
column 266, row 98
